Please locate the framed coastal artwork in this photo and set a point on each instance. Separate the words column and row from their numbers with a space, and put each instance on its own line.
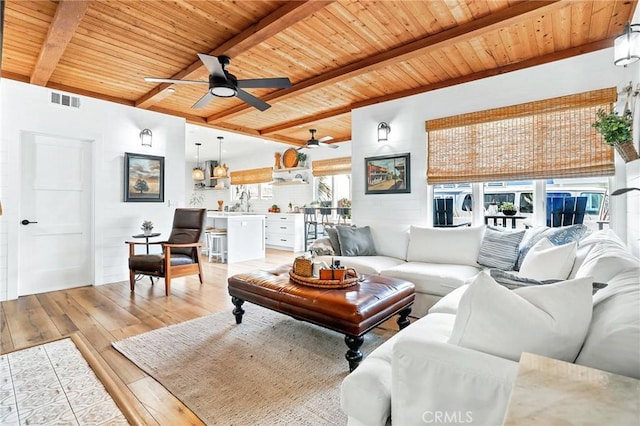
column 143, row 178
column 388, row 174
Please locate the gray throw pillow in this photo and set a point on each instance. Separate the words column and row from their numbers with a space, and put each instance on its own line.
column 335, row 242
column 355, row 241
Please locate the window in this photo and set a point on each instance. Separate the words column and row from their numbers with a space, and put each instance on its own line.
column 332, row 188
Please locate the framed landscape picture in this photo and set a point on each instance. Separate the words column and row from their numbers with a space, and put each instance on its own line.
column 390, row 174
column 143, row 178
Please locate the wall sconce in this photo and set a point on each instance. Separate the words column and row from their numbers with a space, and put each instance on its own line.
column 146, row 138
column 626, row 48
column 197, row 173
column 383, row 132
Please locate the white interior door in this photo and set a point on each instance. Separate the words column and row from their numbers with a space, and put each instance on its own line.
column 55, row 229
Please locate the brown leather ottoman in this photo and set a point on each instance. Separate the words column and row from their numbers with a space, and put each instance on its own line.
column 352, row 311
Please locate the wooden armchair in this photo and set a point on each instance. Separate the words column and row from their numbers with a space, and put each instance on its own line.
column 180, row 253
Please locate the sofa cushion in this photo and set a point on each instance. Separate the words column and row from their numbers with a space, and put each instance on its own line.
column 432, row 278
column 371, row 265
column 458, row 246
column 391, row 240
column 613, row 341
column 499, row 248
column 605, row 259
column 322, row 247
column 355, row 241
column 335, row 242
column 550, row 320
column 546, row 261
column 558, row 236
column 450, row 302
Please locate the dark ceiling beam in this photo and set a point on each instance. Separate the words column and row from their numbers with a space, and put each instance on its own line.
column 392, row 57
column 289, row 14
column 68, row 16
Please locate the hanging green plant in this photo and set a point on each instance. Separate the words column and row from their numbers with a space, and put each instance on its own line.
column 616, row 130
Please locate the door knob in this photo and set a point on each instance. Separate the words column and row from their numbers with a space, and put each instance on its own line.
column 26, row 222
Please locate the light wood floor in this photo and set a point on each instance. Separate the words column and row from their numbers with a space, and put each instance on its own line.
column 111, row 312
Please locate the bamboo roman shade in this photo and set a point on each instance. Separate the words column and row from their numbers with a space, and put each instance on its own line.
column 245, row 177
column 551, row 138
column 333, row 166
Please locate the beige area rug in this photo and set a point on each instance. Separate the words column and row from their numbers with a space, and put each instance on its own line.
column 59, row 383
column 269, row 370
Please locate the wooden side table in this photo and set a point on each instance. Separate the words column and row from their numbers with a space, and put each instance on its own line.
column 146, row 237
column 552, row 392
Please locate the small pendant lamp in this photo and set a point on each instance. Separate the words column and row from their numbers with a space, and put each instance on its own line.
column 220, row 171
column 197, row 173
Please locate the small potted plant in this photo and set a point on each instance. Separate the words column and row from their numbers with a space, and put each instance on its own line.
column 508, row 209
column 302, row 159
column 147, row 227
column 616, row 131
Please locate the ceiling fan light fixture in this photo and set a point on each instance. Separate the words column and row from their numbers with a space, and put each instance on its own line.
column 626, row 47
column 222, row 87
column 223, row 91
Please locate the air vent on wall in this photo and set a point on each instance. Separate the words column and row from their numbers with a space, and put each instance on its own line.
column 65, row 100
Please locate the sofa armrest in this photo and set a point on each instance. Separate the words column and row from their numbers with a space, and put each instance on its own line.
column 442, row 383
column 365, row 393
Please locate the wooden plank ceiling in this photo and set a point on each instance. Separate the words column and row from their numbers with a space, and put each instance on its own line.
column 339, row 55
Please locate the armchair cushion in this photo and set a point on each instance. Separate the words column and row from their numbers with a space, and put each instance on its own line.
column 550, row 320
column 154, row 263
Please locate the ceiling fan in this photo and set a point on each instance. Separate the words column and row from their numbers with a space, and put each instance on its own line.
column 223, row 84
column 314, row 143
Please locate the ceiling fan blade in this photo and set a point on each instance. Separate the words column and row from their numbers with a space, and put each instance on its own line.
column 326, row 138
column 265, row 83
column 171, row 80
column 331, row 145
column 252, row 100
column 212, row 63
column 203, row 101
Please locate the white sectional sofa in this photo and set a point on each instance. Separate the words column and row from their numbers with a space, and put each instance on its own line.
column 436, row 260
column 463, row 356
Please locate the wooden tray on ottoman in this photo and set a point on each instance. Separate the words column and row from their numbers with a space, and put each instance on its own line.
column 350, row 278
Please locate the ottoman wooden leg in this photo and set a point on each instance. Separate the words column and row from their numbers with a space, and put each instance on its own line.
column 237, row 311
column 403, row 319
column 353, row 355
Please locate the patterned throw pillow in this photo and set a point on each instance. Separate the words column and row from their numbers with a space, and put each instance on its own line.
column 322, row 247
column 499, row 248
column 558, row 236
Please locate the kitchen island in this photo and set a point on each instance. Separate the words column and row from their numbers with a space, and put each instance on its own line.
column 245, row 234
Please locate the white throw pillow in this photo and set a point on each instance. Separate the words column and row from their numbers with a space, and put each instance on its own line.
column 546, row 261
column 458, row 246
column 550, row 320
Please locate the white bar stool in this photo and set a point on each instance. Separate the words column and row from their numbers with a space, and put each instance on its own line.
column 217, row 244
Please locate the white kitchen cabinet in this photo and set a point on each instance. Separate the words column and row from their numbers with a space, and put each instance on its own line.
column 285, row 231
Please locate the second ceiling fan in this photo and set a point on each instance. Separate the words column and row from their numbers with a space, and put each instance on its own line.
column 314, row 143
column 223, row 84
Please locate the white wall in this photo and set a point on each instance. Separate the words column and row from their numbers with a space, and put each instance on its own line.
column 407, row 120
column 114, row 130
